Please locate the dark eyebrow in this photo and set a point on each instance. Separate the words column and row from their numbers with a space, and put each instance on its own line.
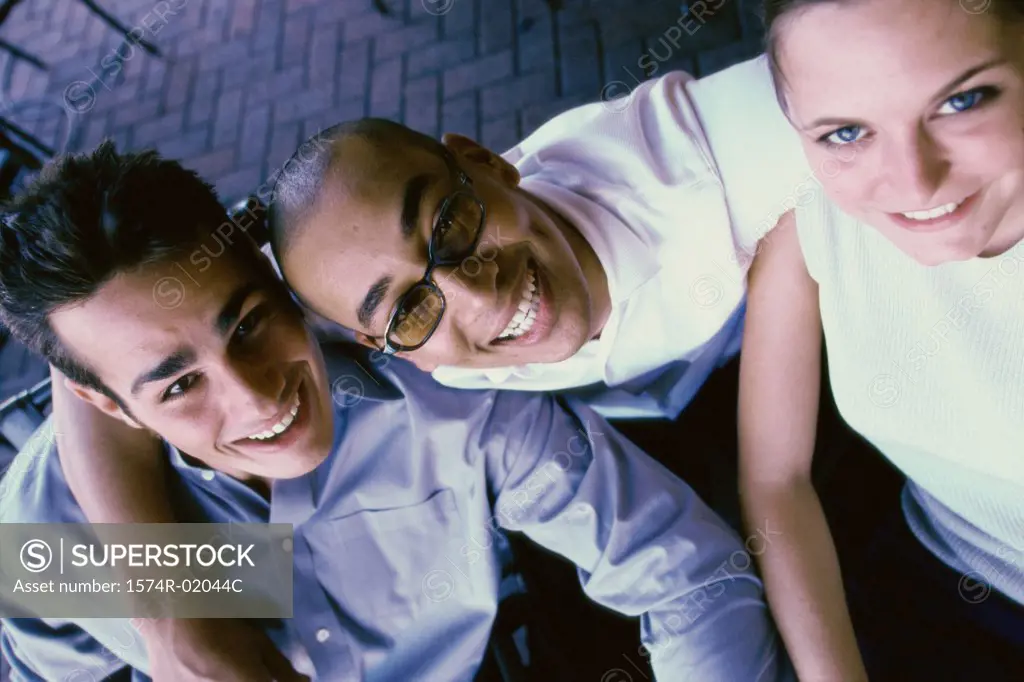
column 232, row 309
column 168, row 367
column 372, row 301
column 410, row 221
column 182, row 358
column 411, row 204
column 952, row 85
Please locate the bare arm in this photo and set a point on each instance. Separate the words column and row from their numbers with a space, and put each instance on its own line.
column 780, row 375
column 117, row 473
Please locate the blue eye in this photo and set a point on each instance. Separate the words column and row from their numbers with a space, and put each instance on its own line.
column 965, row 101
column 843, row 136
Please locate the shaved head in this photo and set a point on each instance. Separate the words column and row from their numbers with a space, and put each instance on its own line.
column 301, row 183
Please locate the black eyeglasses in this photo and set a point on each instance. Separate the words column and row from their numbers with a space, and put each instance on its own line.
column 454, row 238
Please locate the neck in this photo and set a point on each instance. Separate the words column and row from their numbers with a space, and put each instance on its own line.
column 257, row 484
column 596, row 278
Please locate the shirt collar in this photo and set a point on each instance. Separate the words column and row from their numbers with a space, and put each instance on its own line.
column 356, row 373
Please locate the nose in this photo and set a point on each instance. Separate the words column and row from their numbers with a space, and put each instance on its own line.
column 915, row 168
column 250, row 391
column 470, row 291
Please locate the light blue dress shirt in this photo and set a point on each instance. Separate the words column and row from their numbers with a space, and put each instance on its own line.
column 398, row 552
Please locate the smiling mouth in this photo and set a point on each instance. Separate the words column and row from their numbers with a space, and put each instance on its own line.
column 935, row 218
column 933, row 213
column 280, row 427
column 526, row 312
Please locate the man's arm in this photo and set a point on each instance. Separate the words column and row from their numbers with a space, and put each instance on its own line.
column 118, row 474
column 645, row 544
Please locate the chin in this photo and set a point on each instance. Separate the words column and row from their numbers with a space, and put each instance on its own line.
column 957, row 244
column 931, row 256
column 301, row 468
column 933, row 260
column 297, row 466
column 572, row 346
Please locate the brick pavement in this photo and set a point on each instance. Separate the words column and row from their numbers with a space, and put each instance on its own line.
column 243, row 82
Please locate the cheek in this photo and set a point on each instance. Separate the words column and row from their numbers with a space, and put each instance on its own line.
column 989, row 153
column 194, row 432
column 842, row 176
column 508, row 217
column 286, row 338
column 445, row 347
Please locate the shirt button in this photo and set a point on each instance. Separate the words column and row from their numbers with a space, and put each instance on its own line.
column 579, row 513
column 208, row 475
column 322, row 635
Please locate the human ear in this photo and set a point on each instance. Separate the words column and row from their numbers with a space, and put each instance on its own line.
column 474, row 153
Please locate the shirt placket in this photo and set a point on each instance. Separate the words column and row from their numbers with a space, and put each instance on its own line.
column 327, row 643
column 314, row 620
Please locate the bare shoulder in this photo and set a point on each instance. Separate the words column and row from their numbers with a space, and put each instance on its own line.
column 781, row 237
column 779, row 248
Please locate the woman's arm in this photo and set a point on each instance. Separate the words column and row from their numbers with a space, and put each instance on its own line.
column 118, row 474
column 780, row 376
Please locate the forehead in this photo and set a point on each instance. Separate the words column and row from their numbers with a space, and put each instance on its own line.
column 140, row 317
column 366, row 181
column 840, row 57
column 353, row 234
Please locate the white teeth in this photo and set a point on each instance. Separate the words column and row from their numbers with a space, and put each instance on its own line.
column 933, row 213
column 280, row 427
column 526, row 313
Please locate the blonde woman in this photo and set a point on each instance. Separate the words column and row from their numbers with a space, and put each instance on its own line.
column 912, row 114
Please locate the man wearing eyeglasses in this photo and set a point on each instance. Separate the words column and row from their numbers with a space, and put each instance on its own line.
column 397, row 498
column 605, row 254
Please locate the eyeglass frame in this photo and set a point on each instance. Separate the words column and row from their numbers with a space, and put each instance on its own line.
column 464, row 187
